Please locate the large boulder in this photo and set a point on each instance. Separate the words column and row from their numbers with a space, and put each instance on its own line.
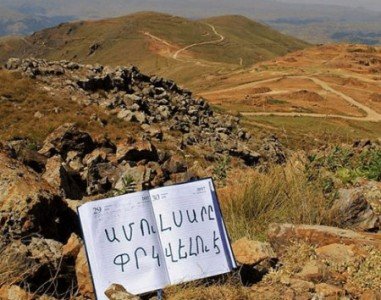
column 30, row 205
column 67, row 138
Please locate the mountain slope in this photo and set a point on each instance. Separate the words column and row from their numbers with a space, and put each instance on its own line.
column 314, row 21
column 250, row 40
column 160, row 43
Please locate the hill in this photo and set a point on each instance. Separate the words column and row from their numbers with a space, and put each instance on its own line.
column 313, row 21
column 163, row 44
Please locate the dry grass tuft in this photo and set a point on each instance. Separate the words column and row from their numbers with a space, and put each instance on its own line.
column 284, row 194
column 13, row 268
column 231, row 289
column 228, row 292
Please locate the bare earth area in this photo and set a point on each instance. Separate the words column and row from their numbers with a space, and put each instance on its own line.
column 336, row 82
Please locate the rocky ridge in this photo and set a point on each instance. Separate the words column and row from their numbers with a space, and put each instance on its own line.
column 157, row 104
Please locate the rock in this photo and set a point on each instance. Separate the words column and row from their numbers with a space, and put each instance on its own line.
column 182, row 177
column 67, row 138
column 136, row 151
column 85, row 286
column 14, row 292
column 371, row 295
column 74, row 161
column 133, row 179
column 250, row 158
column 175, row 164
column 30, row 205
column 359, row 207
column 273, row 150
column 93, row 47
column 60, row 176
column 13, row 64
column 139, row 117
column 298, row 285
column 328, row 291
column 118, row 292
column 125, row 114
column 100, row 178
column 313, row 271
column 153, row 132
column 340, row 254
column 72, row 247
column 21, row 149
column 38, row 115
column 248, row 252
column 99, row 155
column 45, row 251
column 281, row 235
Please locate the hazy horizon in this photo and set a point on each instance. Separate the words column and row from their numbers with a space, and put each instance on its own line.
column 367, row 4
column 190, row 8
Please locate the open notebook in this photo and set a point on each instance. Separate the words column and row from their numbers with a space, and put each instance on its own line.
column 148, row 240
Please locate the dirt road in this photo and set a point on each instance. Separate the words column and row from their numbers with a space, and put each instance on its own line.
column 220, row 39
column 179, row 51
column 371, row 115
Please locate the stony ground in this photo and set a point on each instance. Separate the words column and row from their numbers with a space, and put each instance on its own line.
column 176, row 138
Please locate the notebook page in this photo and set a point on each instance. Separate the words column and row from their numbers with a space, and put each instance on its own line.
column 224, row 234
column 123, row 245
column 191, row 238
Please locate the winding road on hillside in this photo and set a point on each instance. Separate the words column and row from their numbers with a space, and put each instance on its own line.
column 371, row 115
column 220, row 39
column 179, row 51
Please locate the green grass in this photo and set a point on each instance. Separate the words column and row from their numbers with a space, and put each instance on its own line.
column 276, row 101
column 349, row 164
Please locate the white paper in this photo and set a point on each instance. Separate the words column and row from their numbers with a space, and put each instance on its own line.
column 148, row 240
column 108, row 259
column 191, row 239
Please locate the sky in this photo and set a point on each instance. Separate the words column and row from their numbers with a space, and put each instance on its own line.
column 369, row 4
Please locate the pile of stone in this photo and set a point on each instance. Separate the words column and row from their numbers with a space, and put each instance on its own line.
column 146, row 100
column 80, row 166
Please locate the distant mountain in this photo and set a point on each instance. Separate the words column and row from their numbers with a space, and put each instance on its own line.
column 14, row 22
column 317, row 21
column 158, row 43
